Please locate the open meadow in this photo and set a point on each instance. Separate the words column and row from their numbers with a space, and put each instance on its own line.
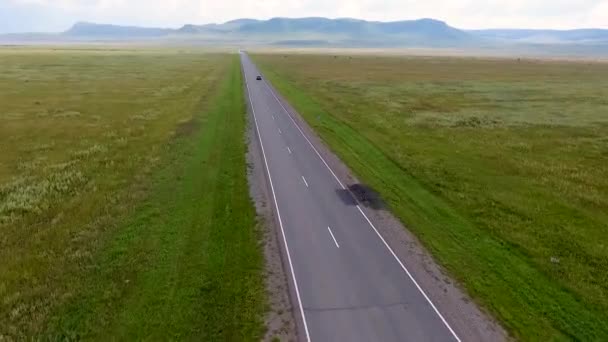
column 119, row 173
column 499, row 166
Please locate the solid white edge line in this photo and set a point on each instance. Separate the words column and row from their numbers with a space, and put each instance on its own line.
column 274, row 197
column 368, row 220
column 305, row 182
column 333, row 237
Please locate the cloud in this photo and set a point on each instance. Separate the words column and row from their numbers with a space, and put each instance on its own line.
column 599, row 14
column 51, row 14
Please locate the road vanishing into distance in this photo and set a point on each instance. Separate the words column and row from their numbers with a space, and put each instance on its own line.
column 347, row 284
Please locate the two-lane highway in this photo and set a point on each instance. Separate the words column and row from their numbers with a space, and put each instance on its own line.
column 349, row 285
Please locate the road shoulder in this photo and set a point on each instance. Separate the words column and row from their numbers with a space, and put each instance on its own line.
column 470, row 322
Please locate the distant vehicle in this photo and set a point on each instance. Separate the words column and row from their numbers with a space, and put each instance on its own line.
column 259, row 78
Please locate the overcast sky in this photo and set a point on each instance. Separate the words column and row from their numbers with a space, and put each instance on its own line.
column 57, row 15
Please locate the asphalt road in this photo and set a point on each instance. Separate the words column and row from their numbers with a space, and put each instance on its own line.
column 347, row 282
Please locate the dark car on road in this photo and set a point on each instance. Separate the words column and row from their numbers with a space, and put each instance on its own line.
column 259, row 78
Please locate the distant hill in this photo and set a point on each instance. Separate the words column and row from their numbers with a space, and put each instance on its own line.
column 84, row 29
column 426, row 32
column 422, row 31
column 317, row 31
column 545, row 36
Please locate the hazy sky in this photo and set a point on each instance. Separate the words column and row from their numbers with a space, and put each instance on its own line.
column 57, row 15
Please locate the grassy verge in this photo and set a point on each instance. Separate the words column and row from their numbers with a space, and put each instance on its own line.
column 187, row 265
column 495, row 165
column 156, row 238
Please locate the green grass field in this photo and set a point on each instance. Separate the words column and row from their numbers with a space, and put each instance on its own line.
column 498, row 166
column 124, row 206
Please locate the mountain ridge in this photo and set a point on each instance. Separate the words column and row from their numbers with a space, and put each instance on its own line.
column 83, row 28
column 424, row 32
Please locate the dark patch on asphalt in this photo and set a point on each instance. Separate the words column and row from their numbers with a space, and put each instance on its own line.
column 361, row 194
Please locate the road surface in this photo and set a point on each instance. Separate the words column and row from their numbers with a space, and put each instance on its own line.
column 347, row 282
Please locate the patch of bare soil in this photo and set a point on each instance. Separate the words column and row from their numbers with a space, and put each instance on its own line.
column 187, row 128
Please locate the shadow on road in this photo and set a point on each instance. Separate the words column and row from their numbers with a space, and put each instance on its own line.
column 363, row 195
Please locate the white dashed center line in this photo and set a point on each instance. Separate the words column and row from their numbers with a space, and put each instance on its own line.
column 333, row 237
column 305, row 182
column 288, row 150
